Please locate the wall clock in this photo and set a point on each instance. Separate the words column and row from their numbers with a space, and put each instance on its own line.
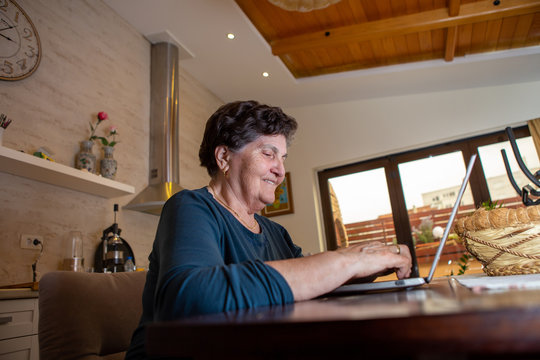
column 20, row 48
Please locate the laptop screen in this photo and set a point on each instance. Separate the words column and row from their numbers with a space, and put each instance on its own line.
column 452, row 216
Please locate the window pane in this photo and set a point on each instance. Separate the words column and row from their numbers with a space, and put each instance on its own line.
column 500, row 188
column 430, row 187
column 361, row 207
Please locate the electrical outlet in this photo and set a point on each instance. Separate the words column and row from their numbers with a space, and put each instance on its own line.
column 27, row 242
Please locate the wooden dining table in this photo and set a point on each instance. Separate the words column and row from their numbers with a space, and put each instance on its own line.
column 440, row 320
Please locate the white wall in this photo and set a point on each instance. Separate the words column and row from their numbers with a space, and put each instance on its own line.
column 341, row 133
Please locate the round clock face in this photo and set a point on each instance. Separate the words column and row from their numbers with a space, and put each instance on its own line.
column 20, row 48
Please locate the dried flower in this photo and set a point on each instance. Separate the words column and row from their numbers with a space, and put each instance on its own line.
column 100, row 117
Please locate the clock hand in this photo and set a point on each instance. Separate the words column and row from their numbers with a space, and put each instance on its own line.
column 9, row 27
column 4, row 36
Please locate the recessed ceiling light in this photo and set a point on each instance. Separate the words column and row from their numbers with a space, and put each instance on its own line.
column 230, row 36
column 265, row 74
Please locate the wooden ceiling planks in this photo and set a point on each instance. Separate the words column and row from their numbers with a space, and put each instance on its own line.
column 359, row 34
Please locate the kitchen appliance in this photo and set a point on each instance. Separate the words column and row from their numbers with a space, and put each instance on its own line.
column 164, row 132
column 113, row 249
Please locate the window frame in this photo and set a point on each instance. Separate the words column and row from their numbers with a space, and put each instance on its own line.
column 477, row 181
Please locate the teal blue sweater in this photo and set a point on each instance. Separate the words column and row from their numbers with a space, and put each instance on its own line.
column 205, row 261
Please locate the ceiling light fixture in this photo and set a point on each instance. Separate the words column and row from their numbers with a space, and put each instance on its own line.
column 230, row 36
column 265, row 74
column 303, row 5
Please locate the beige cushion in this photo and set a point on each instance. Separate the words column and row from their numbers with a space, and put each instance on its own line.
column 88, row 315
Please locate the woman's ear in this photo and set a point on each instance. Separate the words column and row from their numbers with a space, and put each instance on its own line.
column 222, row 154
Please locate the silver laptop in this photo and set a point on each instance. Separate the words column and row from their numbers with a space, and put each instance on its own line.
column 413, row 282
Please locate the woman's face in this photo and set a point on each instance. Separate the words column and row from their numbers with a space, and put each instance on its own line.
column 257, row 169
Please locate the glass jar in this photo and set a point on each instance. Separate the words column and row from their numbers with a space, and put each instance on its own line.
column 74, row 258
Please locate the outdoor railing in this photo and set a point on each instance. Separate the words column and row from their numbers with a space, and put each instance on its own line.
column 382, row 228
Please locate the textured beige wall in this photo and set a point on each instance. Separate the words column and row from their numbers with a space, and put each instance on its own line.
column 92, row 61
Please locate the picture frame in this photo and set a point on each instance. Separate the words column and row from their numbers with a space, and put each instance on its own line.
column 283, row 203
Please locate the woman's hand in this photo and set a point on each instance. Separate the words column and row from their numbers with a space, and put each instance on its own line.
column 321, row 273
column 375, row 258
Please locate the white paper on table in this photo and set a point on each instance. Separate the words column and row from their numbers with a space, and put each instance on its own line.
column 479, row 282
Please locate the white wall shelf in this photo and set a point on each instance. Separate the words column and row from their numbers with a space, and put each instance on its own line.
column 32, row 167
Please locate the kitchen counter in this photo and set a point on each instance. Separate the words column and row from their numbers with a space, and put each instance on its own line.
column 22, row 293
column 19, row 321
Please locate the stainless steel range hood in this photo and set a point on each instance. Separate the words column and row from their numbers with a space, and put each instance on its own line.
column 164, row 135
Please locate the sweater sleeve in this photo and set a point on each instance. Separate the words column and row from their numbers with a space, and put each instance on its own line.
column 200, row 270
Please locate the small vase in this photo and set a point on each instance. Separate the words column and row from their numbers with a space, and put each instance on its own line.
column 85, row 159
column 108, row 163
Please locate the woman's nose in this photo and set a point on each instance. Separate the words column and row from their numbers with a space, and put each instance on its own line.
column 279, row 169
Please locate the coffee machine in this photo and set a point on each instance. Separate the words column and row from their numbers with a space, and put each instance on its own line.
column 113, row 250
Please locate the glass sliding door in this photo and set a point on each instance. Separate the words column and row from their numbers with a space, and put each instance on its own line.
column 407, row 197
column 430, row 186
column 361, row 208
column 500, row 188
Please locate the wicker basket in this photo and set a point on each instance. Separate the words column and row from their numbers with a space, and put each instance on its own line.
column 503, row 250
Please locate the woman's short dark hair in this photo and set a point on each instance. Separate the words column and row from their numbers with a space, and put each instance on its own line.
column 238, row 123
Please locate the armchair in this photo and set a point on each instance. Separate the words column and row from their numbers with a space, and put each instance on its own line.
column 88, row 315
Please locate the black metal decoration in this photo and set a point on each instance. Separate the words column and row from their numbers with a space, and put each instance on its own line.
column 527, row 190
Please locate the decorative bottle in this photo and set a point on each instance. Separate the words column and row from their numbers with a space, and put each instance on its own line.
column 86, row 160
column 108, row 163
column 129, row 266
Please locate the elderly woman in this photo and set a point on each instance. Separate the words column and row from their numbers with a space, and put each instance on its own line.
column 213, row 252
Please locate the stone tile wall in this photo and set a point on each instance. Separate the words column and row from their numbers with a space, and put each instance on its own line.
column 92, row 61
